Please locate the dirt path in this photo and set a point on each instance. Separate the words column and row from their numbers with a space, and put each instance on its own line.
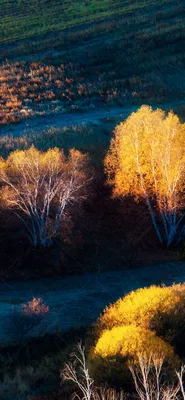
column 75, row 119
column 78, row 300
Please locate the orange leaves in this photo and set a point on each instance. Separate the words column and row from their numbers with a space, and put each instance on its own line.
column 35, row 307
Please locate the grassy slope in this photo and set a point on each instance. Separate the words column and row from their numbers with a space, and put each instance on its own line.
column 26, row 18
column 115, row 52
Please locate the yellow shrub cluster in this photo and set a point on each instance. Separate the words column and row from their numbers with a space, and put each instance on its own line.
column 146, row 321
column 145, row 307
column 129, row 341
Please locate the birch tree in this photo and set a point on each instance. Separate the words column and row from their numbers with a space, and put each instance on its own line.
column 149, row 381
column 39, row 186
column 77, row 372
column 146, row 160
column 180, row 376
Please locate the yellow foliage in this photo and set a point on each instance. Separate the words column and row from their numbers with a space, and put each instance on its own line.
column 39, row 186
column 33, row 163
column 34, row 160
column 146, row 321
column 130, row 341
column 144, row 307
column 147, row 157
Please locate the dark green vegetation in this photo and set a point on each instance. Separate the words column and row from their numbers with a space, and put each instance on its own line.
column 93, row 139
column 34, row 365
column 22, row 18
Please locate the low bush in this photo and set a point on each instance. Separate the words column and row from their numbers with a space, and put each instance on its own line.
column 160, row 309
column 148, row 321
column 26, row 319
column 129, row 341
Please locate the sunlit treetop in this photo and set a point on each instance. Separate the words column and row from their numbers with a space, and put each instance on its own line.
column 146, row 160
column 38, row 186
column 150, row 144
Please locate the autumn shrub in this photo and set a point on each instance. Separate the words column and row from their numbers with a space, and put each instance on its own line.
column 161, row 309
column 35, row 307
column 120, row 347
column 26, row 319
column 129, row 341
column 146, row 321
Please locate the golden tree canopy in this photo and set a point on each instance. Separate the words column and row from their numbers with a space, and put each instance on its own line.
column 146, row 159
column 39, row 185
column 147, row 153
